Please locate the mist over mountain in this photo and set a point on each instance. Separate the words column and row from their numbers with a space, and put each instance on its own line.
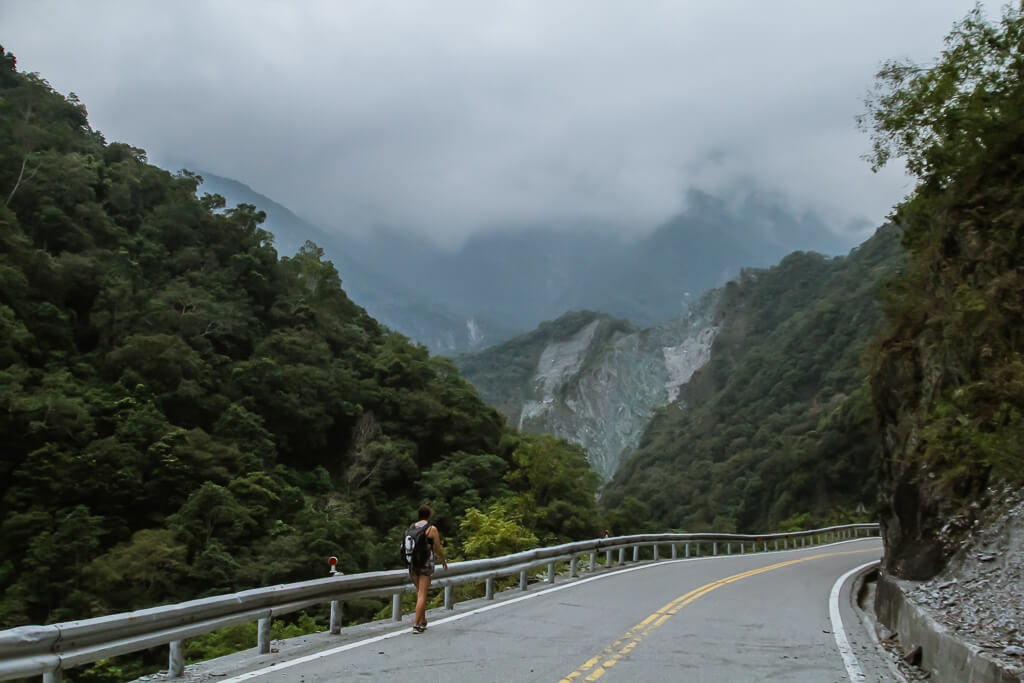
column 401, row 308
column 507, row 281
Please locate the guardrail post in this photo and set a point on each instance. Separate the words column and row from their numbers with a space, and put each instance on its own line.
column 622, row 556
column 396, row 607
column 607, row 558
column 489, row 588
column 523, row 583
column 675, row 551
column 728, row 548
column 714, row 548
column 636, row 553
column 686, row 550
column 263, row 635
column 55, row 676
column 593, row 561
column 335, row 617
column 551, row 572
column 655, row 552
column 743, row 548
column 176, row 665
column 449, row 597
column 572, row 567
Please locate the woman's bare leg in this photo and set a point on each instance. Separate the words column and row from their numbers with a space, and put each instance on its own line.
column 422, row 587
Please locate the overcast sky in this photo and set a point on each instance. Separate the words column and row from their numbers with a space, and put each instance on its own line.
column 447, row 117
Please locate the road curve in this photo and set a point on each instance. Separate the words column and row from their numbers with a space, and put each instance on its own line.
column 755, row 617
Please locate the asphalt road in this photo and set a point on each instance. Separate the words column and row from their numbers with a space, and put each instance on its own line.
column 755, row 617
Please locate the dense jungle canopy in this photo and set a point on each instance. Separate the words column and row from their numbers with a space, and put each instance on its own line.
column 183, row 412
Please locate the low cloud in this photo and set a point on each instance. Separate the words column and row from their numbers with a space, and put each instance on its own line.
column 446, row 118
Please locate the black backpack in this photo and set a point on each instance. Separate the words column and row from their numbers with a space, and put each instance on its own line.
column 415, row 548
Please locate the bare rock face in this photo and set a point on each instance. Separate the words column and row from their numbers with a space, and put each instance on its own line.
column 601, row 398
column 914, row 508
column 913, row 550
column 604, row 404
column 596, row 381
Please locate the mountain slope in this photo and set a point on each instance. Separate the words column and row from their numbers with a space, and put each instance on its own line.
column 778, row 422
column 767, row 362
column 534, row 273
column 590, row 378
column 508, row 280
column 183, row 413
column 402, row 308
column 948, row 379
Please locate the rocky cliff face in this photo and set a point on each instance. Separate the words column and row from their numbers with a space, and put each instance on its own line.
column 594, row 380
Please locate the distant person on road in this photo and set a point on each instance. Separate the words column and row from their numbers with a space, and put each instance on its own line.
column 422, row 543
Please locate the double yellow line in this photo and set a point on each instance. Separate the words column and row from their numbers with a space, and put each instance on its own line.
column 610, row 656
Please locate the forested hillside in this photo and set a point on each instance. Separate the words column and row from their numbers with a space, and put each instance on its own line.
column 777, row 429
column 948, row 377
column 184, row 413
column 404, row 308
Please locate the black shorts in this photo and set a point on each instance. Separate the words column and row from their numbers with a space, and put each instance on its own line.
column 426, row 570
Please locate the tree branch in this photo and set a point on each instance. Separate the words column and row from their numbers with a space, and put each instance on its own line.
column 21, row 177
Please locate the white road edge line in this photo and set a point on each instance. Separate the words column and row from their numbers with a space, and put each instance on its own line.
column 554, row 589
column 853, row 669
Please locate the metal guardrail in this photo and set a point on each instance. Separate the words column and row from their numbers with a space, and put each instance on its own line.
column 49, row 650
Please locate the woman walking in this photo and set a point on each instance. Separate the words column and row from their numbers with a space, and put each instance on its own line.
column 421, row 564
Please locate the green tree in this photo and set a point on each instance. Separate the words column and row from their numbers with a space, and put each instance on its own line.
column 499, row 531
column 213, row 512
column 150, row 565
column 556, row 487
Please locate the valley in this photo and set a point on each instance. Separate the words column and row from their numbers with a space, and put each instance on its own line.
column 203, row 392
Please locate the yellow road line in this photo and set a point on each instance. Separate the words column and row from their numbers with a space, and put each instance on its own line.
column 609, row 656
